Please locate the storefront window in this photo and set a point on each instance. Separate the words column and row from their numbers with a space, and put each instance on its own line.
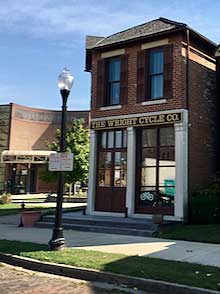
column 112, row 162
column 157, row 167
column 120, row 170
column 105, row 165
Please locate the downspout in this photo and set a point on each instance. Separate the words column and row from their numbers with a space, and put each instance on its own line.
column 187, row 67
column 187, row 107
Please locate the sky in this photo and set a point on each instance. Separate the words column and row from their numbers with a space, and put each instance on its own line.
column 38, row 38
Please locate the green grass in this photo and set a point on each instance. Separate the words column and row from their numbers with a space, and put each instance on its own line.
column 6, row 209
column 171, row 271
column 11, row 208
column 76, row 196
column 197, row 233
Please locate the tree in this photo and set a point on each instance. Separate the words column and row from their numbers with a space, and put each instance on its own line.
column 77, row 142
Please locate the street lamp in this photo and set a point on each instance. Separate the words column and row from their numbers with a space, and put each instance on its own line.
column 65, row 82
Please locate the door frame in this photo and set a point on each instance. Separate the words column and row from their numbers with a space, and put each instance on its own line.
column 112, row 191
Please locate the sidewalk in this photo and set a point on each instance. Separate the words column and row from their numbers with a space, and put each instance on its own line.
column 193, row 252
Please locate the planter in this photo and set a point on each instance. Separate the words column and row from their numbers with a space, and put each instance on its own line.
column 29, row 218
column 157, row 218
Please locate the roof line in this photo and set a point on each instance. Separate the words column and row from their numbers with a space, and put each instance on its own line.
column 131, row 28
column 187, row 27
column 179, row 26
column 201, row 36
column 137, row 38
column 172, row 22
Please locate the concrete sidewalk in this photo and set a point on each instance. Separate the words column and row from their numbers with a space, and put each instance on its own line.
column 193, row 252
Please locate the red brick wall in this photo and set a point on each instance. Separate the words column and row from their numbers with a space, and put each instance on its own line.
column 202, row 104
column 202, row 125
column 44, row 187
column 177, row 101
column 33, row 134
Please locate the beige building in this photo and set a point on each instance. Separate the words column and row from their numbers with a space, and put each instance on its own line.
column 24, row 135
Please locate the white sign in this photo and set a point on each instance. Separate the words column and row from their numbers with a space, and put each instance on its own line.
column 62, row 161
column 147, row 196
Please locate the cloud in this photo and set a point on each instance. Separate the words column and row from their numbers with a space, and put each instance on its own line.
column 59, row 19
column 55, row 18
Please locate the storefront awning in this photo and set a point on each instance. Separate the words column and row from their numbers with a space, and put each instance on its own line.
column 21, row 156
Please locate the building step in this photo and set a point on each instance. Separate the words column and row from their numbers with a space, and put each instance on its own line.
column 100, row 229
column 103, row 222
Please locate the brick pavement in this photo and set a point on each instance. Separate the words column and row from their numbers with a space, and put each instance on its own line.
column 17, row 280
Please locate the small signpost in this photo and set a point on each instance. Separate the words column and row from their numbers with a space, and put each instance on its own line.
column 62, row 161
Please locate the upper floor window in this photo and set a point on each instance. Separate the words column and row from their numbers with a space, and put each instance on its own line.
column 112, row 81
column 113, row 95
column 156, row 74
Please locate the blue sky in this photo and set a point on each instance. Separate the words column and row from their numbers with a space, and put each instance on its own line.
column 40, row 37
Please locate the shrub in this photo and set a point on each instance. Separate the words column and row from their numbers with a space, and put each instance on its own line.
column 205, row 206
column 5, row 198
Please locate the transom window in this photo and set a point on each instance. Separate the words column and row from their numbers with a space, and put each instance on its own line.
column 114, row 67
column 114, row 139
column 112, row 159
column 156, row 74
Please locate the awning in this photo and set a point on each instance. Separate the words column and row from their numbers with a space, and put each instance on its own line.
column 22, row 156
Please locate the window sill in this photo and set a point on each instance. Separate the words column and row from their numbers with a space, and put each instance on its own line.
column 111, row 107
column 152, row 102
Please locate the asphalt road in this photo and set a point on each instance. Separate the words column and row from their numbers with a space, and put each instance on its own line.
column 17, row 280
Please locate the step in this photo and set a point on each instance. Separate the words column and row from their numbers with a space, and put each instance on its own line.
column 100, row 229
column 107, row 223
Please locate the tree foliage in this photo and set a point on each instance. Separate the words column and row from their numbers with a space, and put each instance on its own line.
column 77, row 142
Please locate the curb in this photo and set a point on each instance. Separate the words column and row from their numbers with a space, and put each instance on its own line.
column 150, row 285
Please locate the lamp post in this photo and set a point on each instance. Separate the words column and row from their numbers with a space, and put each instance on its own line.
column 65, row 82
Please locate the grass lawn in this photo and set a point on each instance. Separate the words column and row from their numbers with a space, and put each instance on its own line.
column 6, row 209
column 12, row 208
column 197, row 233
column 172, row 271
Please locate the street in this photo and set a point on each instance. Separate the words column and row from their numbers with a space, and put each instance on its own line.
column 17, row 280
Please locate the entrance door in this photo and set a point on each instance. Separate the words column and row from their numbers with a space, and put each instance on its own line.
column 156, row 171
column 111, row 171
column 20, row 179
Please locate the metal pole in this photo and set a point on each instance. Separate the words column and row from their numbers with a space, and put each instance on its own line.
column 28, row 178
column 58, row 241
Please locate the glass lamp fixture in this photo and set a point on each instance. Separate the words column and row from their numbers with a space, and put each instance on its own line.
column 65, row 80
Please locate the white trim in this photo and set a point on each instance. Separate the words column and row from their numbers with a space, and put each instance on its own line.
column 29, row 156
column 140, row 114
column 92, row 172
column 113, row 53
column 154, row 44
column 181, row 158
column 106, row 213
column 131, row 170
column 110, row 107
column 149, row 216
column 152, row 102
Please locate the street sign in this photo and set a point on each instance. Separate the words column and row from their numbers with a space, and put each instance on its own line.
column 62, row 161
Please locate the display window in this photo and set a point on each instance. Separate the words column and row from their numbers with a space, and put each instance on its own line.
column 156, row 169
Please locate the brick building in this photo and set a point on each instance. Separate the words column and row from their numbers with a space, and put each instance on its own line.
column 153, row 119
column 24, row 135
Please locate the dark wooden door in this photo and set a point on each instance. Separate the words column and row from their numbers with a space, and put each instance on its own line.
column 111, row 172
